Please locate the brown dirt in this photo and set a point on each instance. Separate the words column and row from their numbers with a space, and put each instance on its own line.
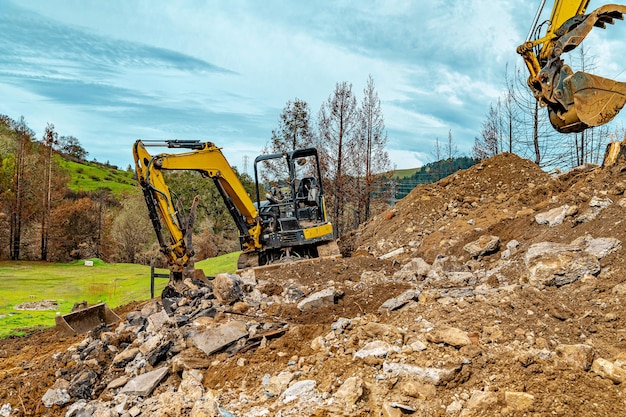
column 499, row 197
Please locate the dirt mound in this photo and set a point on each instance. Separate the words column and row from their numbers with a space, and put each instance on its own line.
column 496, row 291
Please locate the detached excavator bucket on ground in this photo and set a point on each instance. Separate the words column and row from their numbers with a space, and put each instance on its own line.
column 83, row 319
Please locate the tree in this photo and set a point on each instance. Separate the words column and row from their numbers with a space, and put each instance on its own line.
column 50, row 139
column 21, row 207
column 337, row 121
column 487, row 145
column 293, row 132
column 69, row 145
column 371, row 139
column 131, row 228
column 294, row 128
column 73, row 231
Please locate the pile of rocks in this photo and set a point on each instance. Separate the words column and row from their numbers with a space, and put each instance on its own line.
column 151, row 348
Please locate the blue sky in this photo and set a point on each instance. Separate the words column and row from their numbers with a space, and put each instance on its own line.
column 110, row 72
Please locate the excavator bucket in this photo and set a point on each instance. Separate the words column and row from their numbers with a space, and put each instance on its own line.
column 594, row 101
column 597, row 99
column 84, row 319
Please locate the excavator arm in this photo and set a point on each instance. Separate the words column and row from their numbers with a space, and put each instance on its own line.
column 575, row 100
column 207, row 159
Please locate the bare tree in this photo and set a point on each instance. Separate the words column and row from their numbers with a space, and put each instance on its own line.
column 372, row 139
column 49, row 140
column 338, row 121
column 487, row 145
column 19, row 209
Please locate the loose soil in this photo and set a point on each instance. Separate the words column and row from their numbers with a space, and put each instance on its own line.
column 499, row 197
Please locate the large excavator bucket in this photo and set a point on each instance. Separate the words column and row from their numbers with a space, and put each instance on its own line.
column 575, row 101
column 85, row 319
column 594, row 101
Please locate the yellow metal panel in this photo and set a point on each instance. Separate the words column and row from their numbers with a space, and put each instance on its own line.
column 318, row 231
column 565, row 9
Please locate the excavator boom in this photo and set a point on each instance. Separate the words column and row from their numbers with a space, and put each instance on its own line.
column 575, row 100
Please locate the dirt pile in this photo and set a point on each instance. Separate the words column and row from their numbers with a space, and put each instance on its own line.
column 497, row 291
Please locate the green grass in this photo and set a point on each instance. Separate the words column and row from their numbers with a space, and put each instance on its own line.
column 114, row 284
column 224, row 263
column 405, row 173
column 89, row 176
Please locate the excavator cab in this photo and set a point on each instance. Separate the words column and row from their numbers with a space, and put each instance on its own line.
column 290, row 198
column 575, row 100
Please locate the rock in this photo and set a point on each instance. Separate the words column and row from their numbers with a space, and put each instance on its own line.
column 399, row 301
column 207, row 407
column 607, row 369
column 450, row 336
column 5, row 410
column 511, row 249
column 485, row 245
column 160, row 353
column 124, row 357
column 552, row 217
column 392, row 254
column 454, row 407
column 480, row 401
column 54, row 397
column 298, row 389
column 212, row 340
column 417, row 389
column 118, row 382
column 318, row 300
column 603, row 246
column 277, row 384
column 157, row 320
column 350, row 391
column 390, row 411
column 416, row 268
column 144, row 384
column 435, row 376
column 377, row 348
column 192, row 358
column 518, row 401
column 227, row 288
column 558, row 264
column 191, row 385
column 82, row 384
column 406, row 409
column 577, row 356
column 600, row 202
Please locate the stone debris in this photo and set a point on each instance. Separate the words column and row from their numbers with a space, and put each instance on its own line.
column 449, row 324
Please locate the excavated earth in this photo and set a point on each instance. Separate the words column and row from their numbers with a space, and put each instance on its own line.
column 498, row 291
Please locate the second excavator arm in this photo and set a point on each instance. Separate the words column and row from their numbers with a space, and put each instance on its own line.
column 575, row 101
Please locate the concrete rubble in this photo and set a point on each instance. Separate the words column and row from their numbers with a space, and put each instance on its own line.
column 153, row 363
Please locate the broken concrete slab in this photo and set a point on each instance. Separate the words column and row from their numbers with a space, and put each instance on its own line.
column 212, row 340
column 144, row 384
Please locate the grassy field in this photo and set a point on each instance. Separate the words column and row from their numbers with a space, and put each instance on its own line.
column 114, row 284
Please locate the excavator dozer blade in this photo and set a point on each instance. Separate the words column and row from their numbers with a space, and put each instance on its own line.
column 596, row 101
column 83, row 320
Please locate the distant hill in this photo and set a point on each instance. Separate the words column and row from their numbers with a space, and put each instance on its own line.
column 91, row 176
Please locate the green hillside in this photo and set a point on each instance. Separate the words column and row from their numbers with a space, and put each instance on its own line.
column 90, row 176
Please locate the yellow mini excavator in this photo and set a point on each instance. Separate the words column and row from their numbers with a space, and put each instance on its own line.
column 287, row 223
column 575, row 100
